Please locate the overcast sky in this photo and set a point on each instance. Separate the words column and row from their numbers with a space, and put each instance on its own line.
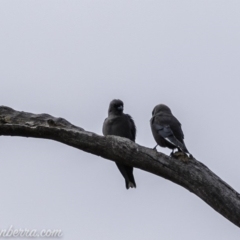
column 70, row 59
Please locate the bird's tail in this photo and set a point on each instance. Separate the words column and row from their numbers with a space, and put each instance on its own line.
column 127, row 173
column 130, row 184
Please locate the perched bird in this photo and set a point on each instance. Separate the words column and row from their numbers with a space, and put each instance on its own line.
column 166, row 129
column 119, row 124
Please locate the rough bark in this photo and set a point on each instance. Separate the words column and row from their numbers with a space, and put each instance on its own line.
column 192, row 175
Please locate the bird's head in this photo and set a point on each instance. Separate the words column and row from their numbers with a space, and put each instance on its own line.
column 161, row 108
column 116, row 107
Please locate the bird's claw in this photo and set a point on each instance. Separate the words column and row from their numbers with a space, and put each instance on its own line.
column 181, row 156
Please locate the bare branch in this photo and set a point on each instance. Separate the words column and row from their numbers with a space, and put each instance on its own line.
column 193, row 175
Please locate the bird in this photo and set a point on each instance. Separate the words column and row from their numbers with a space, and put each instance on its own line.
column 120, row 124
column 167, row 130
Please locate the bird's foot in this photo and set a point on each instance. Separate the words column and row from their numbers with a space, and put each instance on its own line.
column 190, row 155
column 181, row 156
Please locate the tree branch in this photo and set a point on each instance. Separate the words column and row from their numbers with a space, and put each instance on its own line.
column 193, row 175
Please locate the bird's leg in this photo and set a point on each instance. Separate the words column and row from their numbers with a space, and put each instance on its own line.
column 172, row 153
column 155, row 148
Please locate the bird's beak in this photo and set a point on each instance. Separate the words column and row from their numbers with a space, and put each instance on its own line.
column 120, row 108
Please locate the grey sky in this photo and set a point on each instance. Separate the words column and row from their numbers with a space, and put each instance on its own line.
column 70, row 59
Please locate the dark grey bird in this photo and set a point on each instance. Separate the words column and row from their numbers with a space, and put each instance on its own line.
column 166, row 129
column 120, row 124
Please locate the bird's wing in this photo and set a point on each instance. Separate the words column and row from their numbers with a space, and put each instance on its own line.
column 176, row 128
column 132, row 127
column 166, row 132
